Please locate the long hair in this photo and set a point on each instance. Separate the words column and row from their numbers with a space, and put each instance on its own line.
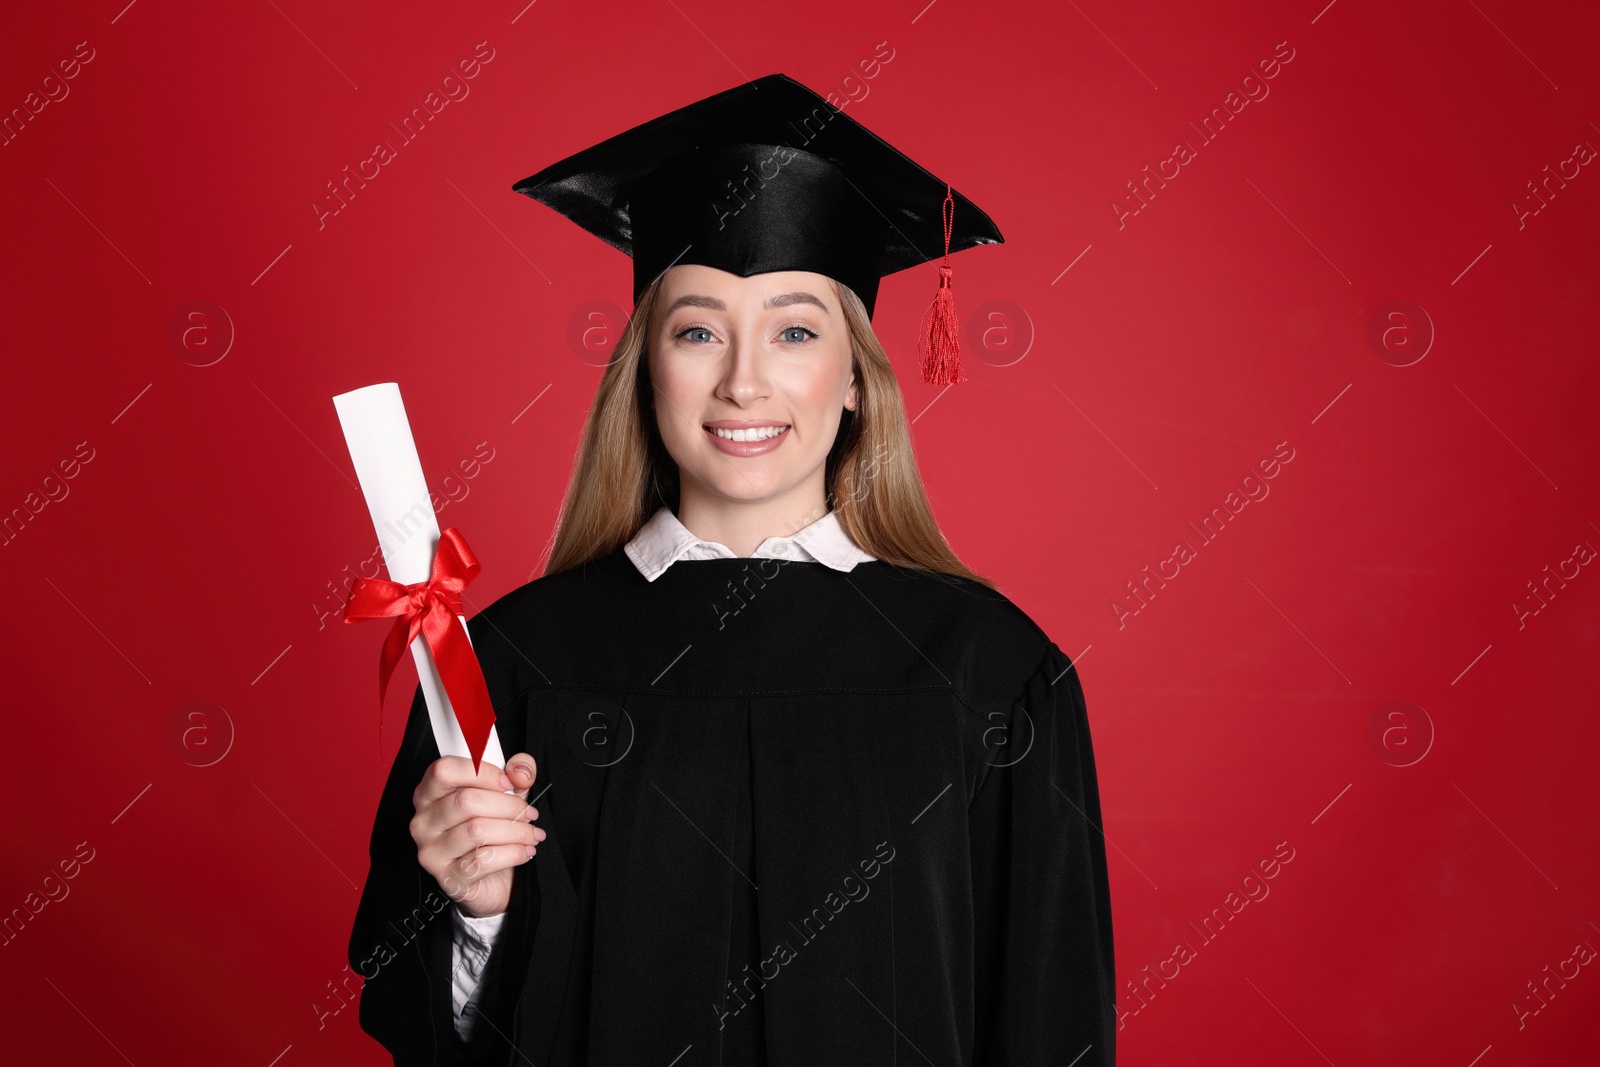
column 623, row 472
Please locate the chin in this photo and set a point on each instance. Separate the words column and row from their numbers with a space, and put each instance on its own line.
column 748, row 484
column 751, row 491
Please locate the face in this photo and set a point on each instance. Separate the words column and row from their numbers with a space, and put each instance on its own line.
column 751, row 377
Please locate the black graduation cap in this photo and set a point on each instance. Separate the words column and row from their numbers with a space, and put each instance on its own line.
column 769, row 176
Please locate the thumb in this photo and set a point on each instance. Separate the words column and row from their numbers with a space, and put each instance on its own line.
column 522, row 771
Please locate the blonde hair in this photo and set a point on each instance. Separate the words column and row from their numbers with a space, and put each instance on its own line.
column 623, row 472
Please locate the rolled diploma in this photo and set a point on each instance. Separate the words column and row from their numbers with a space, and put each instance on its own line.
column 385, row 457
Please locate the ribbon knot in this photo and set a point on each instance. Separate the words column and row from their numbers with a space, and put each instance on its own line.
column 430, row 609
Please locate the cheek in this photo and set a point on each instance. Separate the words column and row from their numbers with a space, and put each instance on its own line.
column 679, row 389
column 822, row 391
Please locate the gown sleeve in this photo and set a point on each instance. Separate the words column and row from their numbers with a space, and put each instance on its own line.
column 402, row 938
column 1045, row 978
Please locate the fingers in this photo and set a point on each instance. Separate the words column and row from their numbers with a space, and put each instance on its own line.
column 481, row 845
column 448, row 773
column 476, row 846
column 522, row 771
column 470, row 803
column 463, row 879
column 471, row 825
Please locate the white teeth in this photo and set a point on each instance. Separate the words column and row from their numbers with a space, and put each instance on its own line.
column 758, row 433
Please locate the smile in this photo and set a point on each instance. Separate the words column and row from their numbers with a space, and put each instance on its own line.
column 755, row 433
column 746, row 440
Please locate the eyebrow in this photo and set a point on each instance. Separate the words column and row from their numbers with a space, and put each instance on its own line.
column 713, row 304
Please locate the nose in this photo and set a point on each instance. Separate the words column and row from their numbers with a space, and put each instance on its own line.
column 744, row 377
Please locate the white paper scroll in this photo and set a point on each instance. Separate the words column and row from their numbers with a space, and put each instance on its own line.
column 385, row 457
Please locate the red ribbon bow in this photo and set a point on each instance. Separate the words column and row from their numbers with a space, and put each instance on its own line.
column 430, row 608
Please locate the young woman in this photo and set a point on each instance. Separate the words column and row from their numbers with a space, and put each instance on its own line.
column 792, row 784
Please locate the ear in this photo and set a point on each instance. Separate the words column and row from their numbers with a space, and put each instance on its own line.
column 851, row 396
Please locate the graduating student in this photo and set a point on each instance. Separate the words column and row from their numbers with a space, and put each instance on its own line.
column 792, row 785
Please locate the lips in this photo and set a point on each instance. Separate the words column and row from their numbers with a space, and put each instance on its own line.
column 751, row 433
column 746, row 437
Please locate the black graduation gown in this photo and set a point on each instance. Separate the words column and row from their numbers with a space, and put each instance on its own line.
column 796, row 817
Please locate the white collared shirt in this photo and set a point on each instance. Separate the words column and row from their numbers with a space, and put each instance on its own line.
column 664, row 540
column 660, row 542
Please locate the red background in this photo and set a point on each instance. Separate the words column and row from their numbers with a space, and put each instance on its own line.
column 190, row 558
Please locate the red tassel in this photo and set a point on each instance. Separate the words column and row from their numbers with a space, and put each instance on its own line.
column 940, row 341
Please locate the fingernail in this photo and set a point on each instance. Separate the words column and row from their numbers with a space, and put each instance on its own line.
column 531, row 850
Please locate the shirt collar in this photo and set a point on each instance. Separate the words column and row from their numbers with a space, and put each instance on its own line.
column 663, row 540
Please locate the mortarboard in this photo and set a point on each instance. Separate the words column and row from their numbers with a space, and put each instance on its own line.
column 769, row 176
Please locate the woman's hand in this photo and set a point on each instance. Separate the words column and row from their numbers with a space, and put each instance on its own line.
column 470, row 833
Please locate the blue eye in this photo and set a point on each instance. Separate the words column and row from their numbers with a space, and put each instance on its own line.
column 789, row 334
